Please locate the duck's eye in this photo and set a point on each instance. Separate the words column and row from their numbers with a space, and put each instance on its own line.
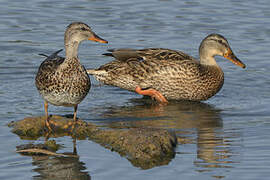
column 220, row 41
column 83, row 29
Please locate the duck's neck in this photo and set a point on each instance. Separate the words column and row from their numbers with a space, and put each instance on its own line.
column 207, row 57
column 209, row 60
column 72, row 49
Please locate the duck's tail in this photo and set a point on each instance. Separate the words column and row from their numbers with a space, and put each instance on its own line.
column 52, row 55
column 100, row 75
column 96, row 72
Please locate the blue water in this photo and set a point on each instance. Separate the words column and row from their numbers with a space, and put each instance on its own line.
column 226, row 137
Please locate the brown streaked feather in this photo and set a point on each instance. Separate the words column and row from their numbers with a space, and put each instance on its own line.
column 62, row 85
column 173, row 73
column 146, row 54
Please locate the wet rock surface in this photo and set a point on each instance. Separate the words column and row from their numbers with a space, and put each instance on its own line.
column 143, row 147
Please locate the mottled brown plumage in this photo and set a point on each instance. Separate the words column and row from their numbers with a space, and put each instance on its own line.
column 176, row 75
column 64, row 81
column 61, row 83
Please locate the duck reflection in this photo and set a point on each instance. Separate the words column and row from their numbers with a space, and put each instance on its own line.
column 64, row 166
column 194, row 123
column 176, row 115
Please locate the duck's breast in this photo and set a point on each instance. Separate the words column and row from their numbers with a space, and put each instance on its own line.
column 67, row 85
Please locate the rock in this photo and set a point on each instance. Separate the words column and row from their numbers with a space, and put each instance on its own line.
column 143, row 147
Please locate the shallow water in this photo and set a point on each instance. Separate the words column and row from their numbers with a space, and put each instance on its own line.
column 225, row 137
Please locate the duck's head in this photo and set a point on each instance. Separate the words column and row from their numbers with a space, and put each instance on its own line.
column 217, row 45
column 78, row 31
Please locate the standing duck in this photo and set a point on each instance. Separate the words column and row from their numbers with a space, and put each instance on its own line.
column 166, row 74
column 64, row 81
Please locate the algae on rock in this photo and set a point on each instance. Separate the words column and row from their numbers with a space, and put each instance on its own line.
column 143, row 147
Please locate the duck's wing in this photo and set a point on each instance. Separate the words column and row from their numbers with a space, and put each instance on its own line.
column 52, row 61
column 53, row 56
column 128, row 60
column 47, row 70
column 148, row 54
column 145, row 67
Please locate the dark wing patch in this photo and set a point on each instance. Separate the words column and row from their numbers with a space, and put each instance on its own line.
column 52, row 55
column 148, row 54
column 51, row 62
column 164, row 54
column 123, row 54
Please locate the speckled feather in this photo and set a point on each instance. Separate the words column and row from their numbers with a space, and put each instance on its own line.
column 174, row 74
column 62, row 82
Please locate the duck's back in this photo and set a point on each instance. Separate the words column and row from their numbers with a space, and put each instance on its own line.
column 63, row 84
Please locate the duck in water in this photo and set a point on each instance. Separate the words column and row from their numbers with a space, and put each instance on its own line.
column 166, row 74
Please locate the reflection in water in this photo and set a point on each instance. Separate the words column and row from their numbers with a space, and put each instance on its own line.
column 176, row 115
column 194, row 122
column 212, row 151
column 144, row 147
column 60, row 167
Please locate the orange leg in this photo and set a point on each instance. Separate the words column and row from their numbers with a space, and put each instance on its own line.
column 75, row 113
column 47, row 123
column 152, row 93
column 74, row 117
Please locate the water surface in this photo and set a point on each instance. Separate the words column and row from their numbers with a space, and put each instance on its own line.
column 226, row 137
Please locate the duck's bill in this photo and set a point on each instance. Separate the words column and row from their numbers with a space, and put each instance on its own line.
column 234, row 59
column 96, row 38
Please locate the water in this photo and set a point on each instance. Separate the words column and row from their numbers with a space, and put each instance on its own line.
column 226, row 137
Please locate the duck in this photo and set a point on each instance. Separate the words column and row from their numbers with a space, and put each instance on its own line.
column 63, row 81
column 165, row 74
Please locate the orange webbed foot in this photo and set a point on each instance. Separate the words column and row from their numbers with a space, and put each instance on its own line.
column 153, row 94
column 48, row 124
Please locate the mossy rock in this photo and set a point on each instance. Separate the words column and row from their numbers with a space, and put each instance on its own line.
column 144, row 147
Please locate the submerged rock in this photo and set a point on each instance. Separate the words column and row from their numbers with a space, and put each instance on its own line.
column 143, row 147
column 48, row 148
